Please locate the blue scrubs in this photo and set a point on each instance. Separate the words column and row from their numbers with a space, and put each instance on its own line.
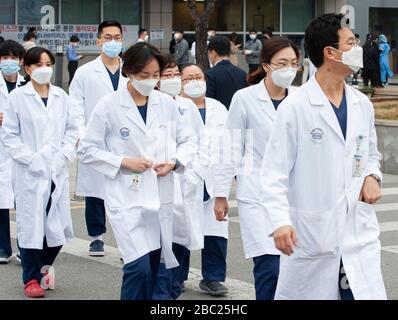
column 169, row 281
column 139, row 277
column 266, row 272
column 143, row 111
column 214, row 253
column 341, row 114
column 114, row 78
column 45, row 100
column 10, row 85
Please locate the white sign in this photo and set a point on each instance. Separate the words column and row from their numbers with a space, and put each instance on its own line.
column 157, row 34
column 51, row 36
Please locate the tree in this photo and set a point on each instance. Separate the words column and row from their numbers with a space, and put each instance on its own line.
column 201, row 21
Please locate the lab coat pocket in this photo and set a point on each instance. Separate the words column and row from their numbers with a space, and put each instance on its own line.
column 366, row 225
column 316, row 234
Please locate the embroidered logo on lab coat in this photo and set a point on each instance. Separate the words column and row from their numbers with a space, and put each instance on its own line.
column 317, row 135
column 124, row 133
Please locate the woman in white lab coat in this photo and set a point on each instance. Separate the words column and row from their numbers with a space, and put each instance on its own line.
column 40, row 136
column 170, row 281
column 213, row 116
column 136, row 138
column 11, row 54
column 250, row 120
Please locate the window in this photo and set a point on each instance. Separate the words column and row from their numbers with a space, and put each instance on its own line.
column 261, row 14
column 32, row 12
column 297, row 15
column 7, row 12
column 81, row 12
column 227, row 15
column 126, row 12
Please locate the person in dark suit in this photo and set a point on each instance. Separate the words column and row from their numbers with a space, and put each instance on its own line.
column 223, row 79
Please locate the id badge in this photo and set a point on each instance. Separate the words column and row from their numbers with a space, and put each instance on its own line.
column 357, row 166
column 136, row 181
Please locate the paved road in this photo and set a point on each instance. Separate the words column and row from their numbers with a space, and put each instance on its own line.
column 82, row 277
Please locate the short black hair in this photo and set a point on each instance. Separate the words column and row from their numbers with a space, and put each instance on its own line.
column 109, row 23
column 12, row 48
column 138, row 56
column 141, row 31
column 211, row 29
column 322, row 32
column 221, row 45
column 180, row 31
column 252, row 31
column 269, row 31
column 357, row 36
column 74, row 38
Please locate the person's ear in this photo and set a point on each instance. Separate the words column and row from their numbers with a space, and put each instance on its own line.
column 266, row 68
column 98, row 42
column 28, row 70
column 329, row 53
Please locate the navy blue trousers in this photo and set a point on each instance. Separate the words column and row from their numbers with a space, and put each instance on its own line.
column 214, row 259
column 95, row 216
column 169, row 281
column 5, row 240
column 266, row 272
column 34, row 259
column 344, row 286
column 139, row 277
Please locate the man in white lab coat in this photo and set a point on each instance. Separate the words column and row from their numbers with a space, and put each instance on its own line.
column 93, row 81
column 321, row 174
column 11, row 54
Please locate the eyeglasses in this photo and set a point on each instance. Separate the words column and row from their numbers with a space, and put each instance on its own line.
column 109, row 38
column 282, row 66
column 352, row 43
column 171, row 76
column 197, row 78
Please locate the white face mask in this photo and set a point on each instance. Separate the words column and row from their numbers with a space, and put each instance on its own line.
column 146, row 38
column 195, row 89
column 145, row 87
column 352, row 58
column 171, row 87
column 177, row 37
column 253, row 36
column 42, row 75
column 283, row 78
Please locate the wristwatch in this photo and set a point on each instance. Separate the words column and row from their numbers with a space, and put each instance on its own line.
column 178, row 164
column 376, row 177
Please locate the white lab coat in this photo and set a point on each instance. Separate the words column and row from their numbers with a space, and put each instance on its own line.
column 188, row 188
column 141, row 217
column 308, row 183
column 90, row 83
column 194, row 219
column 40, row 139
column 250, row 120
column 6, row 189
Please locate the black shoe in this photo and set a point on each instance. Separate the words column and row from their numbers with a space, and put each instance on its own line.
column 4, row 258
column 97, row 249
column 214, row 288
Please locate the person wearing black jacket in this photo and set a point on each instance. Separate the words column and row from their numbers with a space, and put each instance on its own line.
column 371, row 56
column 224, row 79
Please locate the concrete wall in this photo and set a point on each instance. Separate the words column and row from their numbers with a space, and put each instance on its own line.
column 158, row 14
column 387, row 133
